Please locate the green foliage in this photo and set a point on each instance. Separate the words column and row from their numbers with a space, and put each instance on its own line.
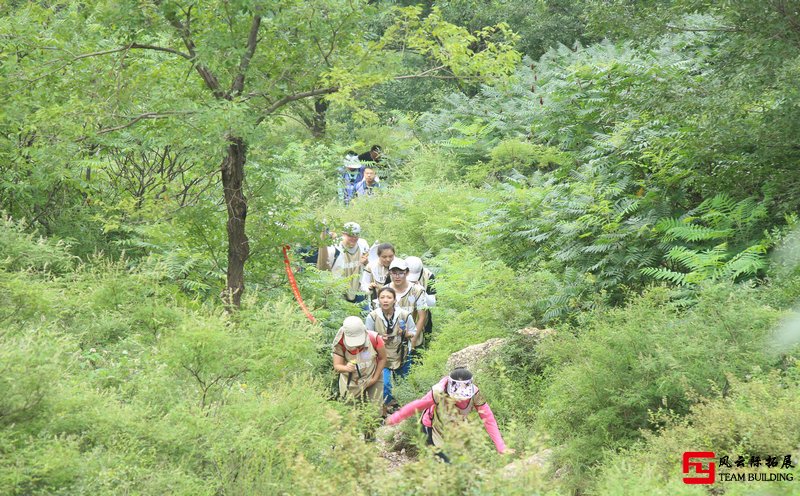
column 709, row 230
column 757, row 416
column 629, row 361
column 482, row 299
column 20, row 250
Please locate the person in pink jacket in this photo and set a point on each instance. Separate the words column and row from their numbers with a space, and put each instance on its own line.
column 448, row 401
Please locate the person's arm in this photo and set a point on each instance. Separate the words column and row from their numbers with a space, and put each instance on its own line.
column 369, row 323
column 490, row 424
column 341, row 366
column 411, row 328
column 378, row 374
column 366, row 279
column 430, row 290
column 410, row 409
column 322, row 253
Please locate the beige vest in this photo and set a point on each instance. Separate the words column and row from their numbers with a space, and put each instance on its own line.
column 409, row 301
column 351, row 268
column 354, row 384
column 378, row 273
column 446, row 411
column 396, row 346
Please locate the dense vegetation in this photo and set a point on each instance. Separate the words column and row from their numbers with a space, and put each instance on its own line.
column 626, row 177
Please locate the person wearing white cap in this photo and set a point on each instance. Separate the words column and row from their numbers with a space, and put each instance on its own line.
column 359, row 357
column 411, row 297
column 346, row 259
column 351, row 172
column 449, row 401
column 417, row 273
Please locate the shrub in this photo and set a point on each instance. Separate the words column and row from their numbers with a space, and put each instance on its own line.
column 758, row 417
column 20, row 250
column 646, row 356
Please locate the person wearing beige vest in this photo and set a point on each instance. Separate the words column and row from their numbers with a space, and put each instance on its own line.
column 359, row 356
column 346, row 259
column 411, row 297
column 396, row 327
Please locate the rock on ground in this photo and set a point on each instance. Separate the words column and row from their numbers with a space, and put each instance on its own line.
column 478, row 354
column 537, row 461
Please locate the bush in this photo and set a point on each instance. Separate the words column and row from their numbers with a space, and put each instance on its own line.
column 758, row 417
column 646, row 356
column 21, row 250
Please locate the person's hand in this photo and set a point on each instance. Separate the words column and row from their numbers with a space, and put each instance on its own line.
column 373, row 285
column 350, row 367
column 365, row 259
column 509, row 451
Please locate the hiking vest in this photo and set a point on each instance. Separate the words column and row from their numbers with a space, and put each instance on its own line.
column 408, row 301
column 350, row 268
column 445, row 411
column 353, row 384
column 379, row 273
column 396, row 346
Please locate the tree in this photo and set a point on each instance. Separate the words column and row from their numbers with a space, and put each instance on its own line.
column 131, row 67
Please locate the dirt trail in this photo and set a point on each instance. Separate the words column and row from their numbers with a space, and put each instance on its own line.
column 383, row 442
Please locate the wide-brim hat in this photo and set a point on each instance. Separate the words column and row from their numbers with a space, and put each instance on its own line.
column 355, row 332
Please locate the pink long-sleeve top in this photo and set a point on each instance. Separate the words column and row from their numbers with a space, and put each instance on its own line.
column 426, row 402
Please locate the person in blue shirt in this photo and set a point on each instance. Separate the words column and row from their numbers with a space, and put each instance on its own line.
column 350, row 174
column 370, row 184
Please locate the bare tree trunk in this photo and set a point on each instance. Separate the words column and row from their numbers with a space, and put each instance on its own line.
column 238, row 244
column 318, row 120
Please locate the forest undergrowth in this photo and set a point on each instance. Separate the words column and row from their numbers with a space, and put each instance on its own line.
column 625, row 178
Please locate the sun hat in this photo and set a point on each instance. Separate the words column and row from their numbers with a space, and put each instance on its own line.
column 355, row 332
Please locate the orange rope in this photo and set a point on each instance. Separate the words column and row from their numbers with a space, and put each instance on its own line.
column 293, row 283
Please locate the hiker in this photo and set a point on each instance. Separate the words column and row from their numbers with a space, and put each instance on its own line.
column 359, row 357
column 370, row 184
column 376, row 274
column 373, row 155
column 351, row 173
column 419, row 274
column 410, row 297
column 345, row 259
column 450, row 401
column 396, row 327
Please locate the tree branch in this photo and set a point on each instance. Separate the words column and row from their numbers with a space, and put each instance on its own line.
column 297, row 96
column 160, row 49
column 208, row 77
column 134, row 120
column 724, row 29
column 252, row 42
column 125, row 48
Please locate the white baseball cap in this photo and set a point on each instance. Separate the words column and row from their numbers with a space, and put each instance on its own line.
column 398, row 263
column 355, row 332
column 414, row 268
column 352, row 228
